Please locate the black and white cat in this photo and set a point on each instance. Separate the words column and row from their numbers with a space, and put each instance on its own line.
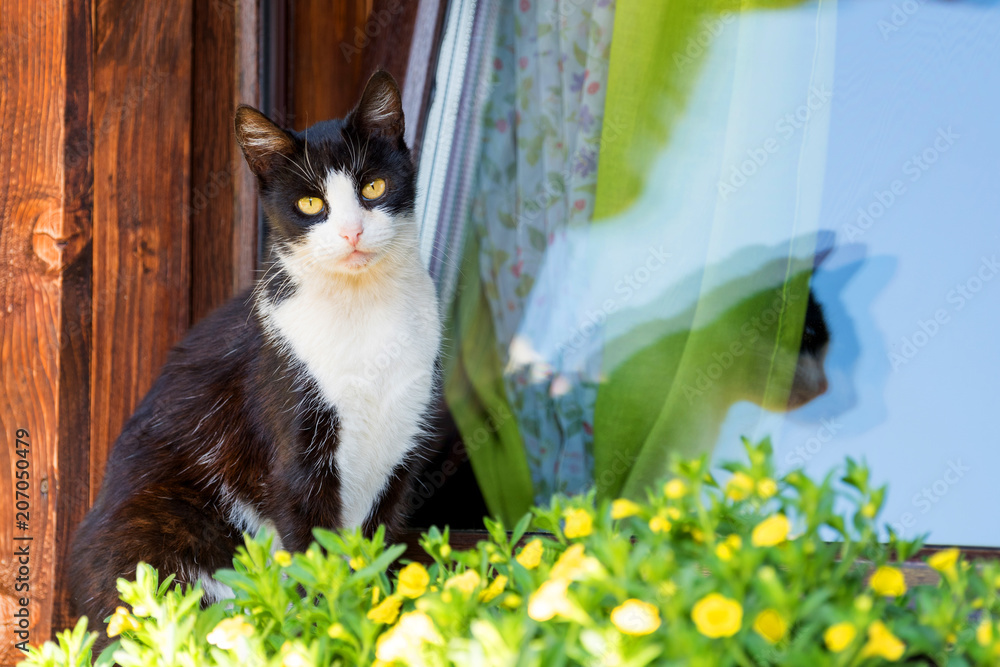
column 301, row 403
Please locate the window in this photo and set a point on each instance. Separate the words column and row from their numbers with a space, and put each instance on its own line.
column 662, row 227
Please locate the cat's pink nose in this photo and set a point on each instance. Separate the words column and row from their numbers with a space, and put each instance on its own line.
column 352, row 235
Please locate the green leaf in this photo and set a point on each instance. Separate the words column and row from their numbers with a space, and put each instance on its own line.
column 523, row 288
column 580, row 55
column 520, row 529
column 381, row 563
column 537, row 239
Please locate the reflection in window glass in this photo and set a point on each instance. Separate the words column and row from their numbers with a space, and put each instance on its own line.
column 689, row 222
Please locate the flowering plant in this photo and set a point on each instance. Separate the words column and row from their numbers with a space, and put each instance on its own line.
column 701, row 573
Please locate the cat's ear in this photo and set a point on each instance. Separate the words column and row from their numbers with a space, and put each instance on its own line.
column 380, row 111
column 260, row 139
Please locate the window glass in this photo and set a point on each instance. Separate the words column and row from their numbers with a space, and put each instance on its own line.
column 691, row 222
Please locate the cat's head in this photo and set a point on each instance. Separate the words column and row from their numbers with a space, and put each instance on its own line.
column 338, row 197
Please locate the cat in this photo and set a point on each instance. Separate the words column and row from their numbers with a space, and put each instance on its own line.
column 303, row 402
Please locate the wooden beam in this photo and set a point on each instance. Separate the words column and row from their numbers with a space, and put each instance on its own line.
column 142, row 115
column 223, row 205
column 45, row 236
column 72, row 490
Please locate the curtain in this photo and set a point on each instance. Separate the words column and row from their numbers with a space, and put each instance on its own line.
column 625, row 278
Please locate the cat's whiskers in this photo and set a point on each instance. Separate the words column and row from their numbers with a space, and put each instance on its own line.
column 312, row 171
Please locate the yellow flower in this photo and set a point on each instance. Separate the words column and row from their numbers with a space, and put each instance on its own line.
column 413, row 580
column 579, row 523
column 415, row 628
column 467, row 582
column 531, row 554
column 573, row 564
column 295, row 658
column 121, row 621
column 494, row 589
column 869, row 511
column 659, row 524
column 839, row 636
column 226, row 634
column 667, row 588
column 728, row 547
column 550, row 599
column 375, row 595
column 882, row 643
column 445, row 550
column 511, row 601
column 771, row 531
column 337, row 631
column 717, row 616
column 675, row 489
column 282, row 558
column 624, row 508
column 766, row 488
column 770, row 625
column 386, row 611
column 888, row 581
column 984, row 632
column 673, row 513
column 944, row 562
column 740, row 486
column 635, row 617
column 357, row 562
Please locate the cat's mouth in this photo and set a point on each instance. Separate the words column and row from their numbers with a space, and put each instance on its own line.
column 358, row 259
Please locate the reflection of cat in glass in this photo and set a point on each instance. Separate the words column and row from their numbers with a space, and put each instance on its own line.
column 810, row 380
column 767, row 348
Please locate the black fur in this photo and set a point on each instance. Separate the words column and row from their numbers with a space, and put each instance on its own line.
column 232, row 414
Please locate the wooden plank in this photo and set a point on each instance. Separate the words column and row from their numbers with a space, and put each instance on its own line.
column 326, row 63
column 385, row 37
column 71, row 489
column 36, row 247
column 142, row 117
column 223, row 204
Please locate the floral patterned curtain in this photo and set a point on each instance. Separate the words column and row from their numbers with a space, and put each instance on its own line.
column 537, row 178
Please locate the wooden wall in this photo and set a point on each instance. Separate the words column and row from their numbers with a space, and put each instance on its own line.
column 100, row 113
column 127, row 214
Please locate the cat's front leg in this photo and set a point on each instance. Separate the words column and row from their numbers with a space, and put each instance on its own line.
column 309, row 501
column 392, row 507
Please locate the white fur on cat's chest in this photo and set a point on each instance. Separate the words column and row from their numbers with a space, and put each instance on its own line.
column 373, row 360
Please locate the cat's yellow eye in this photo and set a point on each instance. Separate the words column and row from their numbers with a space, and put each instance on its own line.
column 310, row 205
column 374, row 190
